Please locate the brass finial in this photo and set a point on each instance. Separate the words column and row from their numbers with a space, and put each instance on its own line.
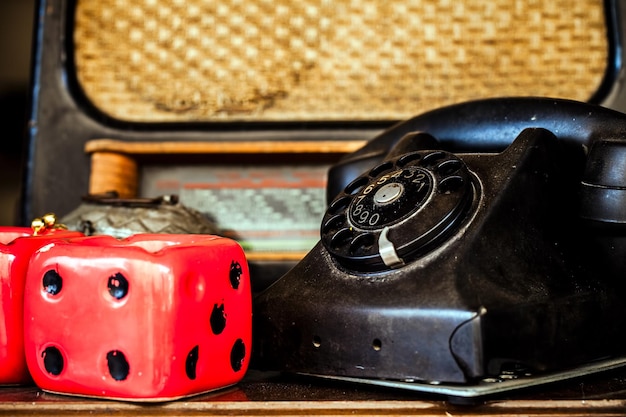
column 45, row 223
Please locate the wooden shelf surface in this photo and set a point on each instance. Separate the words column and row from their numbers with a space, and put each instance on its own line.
column 263, row 394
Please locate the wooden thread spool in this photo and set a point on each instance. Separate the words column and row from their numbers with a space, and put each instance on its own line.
column 111, row 171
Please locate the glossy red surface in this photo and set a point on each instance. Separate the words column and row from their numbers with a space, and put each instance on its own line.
column 150, row 317
column 17, row 244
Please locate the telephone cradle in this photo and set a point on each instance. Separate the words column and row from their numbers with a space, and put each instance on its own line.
column 471, row 250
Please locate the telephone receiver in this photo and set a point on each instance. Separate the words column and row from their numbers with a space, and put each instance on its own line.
column 471, row 250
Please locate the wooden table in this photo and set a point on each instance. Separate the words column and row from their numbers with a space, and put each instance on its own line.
column 272, row 394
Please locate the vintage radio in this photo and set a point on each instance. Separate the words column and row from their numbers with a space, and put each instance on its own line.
column 239, row 108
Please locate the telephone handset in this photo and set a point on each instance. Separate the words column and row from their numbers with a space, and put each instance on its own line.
column 486, row 126
column 480, row 242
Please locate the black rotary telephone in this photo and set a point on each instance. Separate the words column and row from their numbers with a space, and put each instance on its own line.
column 473, row 249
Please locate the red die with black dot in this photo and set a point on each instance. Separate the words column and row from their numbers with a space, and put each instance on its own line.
column 17, row 244
column 150, row 317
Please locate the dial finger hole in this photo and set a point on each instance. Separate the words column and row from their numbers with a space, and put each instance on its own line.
column 433, row 158
column 449, row 167
column 408, row 158
column 339, row 205
column 362, row 244
column 333, row 224
column 450, row 184
column 341, row 238
column 357, row 185
column 376, row 171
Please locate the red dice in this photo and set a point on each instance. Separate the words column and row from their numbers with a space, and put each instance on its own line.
column 17, row 244
column 150, row 317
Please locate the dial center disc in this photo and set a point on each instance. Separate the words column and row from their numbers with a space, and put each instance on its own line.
column 390, row 198
column 388, row 193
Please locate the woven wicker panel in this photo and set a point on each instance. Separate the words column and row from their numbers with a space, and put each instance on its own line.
column 205, row 60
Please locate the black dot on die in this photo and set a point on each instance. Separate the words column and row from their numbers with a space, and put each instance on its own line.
column 192, row 362
column 235, row 274
column 218, row 319
column 118, row 286
column 237, row 355
column 52, row 282
column 118, row 365
column 53, row 360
